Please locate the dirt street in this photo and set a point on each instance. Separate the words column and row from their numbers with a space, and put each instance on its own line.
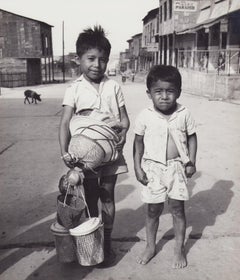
column 30, row 167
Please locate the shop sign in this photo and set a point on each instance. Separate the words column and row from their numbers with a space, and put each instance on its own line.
column 224, row 26
column 185, row 6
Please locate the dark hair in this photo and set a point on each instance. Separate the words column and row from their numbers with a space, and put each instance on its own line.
column 165, row 73
column 92, row 38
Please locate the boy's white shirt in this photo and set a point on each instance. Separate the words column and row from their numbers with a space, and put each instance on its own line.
column 155, row 129
column 82, row 95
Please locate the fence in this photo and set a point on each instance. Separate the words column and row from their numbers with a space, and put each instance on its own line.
column 11, row 80
column 222, row 62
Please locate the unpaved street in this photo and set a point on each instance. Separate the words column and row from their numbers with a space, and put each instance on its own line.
column 30, row 167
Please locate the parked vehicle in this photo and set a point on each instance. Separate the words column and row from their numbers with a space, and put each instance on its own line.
column 112, row 72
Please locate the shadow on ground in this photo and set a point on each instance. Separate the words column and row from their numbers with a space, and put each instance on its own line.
column 202, row 211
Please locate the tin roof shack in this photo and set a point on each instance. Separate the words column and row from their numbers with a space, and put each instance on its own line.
column 26, row 53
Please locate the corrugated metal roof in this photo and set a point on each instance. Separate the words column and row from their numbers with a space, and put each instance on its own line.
column 205, row 3
column 219, row 9
column 204, row 15
column 26, row 17
column 234, row 6
column 206, row 24
column 151, row 14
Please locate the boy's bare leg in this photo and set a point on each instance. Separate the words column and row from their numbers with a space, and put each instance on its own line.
column 91, row 190
column 107, row 186
column 152, row 222
column 179, row 225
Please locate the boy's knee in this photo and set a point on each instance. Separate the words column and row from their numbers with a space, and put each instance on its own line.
column 154, row 210
column 105, row 196
column 177, row 208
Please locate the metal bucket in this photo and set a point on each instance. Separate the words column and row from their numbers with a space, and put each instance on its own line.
column 64, row 244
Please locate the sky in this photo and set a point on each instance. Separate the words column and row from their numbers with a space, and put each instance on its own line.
column 121, row 19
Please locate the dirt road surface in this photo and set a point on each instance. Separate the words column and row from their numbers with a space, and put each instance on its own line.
column 30, row 167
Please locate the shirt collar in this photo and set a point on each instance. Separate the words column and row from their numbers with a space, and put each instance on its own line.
column 178, row 109
column 83, row 79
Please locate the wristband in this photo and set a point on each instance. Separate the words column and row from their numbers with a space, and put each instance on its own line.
column 190, row 163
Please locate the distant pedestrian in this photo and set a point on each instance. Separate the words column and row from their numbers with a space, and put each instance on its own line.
column 124, row 77
column 133, row 76
column 165, row 148
column 94, row 94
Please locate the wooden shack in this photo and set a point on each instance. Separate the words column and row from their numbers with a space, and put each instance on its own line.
column 26, row 53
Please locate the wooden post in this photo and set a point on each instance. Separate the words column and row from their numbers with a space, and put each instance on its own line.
column 63, row 59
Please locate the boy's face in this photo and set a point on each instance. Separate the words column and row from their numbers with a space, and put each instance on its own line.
column 93, row 64
column 164, row 96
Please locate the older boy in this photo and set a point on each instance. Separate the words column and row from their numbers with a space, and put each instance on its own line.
column 94, row 91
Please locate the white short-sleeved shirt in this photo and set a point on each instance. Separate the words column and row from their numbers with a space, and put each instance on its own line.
column 81, row 95
column 155, row 129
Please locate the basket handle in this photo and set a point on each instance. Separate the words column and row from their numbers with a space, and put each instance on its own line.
column 85, row 202
column 83, row 197
column 65, row 198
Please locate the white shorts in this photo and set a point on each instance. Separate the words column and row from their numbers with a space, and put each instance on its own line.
column 165, row 181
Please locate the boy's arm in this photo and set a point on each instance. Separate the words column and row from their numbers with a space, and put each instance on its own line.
column 64, row 135
column 192, row 149
column 138, row 150
column 125, row 123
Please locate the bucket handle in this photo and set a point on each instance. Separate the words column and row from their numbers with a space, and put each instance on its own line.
column 83, row 197
column 85, row 202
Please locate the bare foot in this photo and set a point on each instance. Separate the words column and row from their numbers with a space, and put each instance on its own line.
column 146, row 256
column 180, row 260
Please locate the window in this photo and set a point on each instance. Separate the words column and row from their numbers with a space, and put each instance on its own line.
column 26, row 31
column 165, row 11
column 160, row 15
column 1, row 41
column 150, row 33
column 170, row 9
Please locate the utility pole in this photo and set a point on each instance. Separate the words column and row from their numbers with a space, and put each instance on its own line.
column 63, row 59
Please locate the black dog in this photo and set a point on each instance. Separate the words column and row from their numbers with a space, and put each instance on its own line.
column 31, row 94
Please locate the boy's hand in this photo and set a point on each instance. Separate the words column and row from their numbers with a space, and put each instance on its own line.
column 68, row 160
column 120, row 144
column 190, row 170
column 141, row 176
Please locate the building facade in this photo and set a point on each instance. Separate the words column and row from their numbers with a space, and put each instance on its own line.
column 201, row 38
column 26, row 53
column 136, row 59
column 149, row 49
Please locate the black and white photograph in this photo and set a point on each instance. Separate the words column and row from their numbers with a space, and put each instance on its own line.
column 119, row 140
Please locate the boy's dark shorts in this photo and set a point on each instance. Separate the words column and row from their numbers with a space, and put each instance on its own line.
column 117, row 167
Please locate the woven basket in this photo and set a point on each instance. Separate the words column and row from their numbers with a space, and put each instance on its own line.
column 87, row 151
column 89, row 247
column 93, row 143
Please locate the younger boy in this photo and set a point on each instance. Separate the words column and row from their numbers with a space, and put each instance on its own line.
column 93, row 92
column 165, row 147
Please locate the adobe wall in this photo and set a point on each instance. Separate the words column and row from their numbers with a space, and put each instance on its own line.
column 211, row 85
